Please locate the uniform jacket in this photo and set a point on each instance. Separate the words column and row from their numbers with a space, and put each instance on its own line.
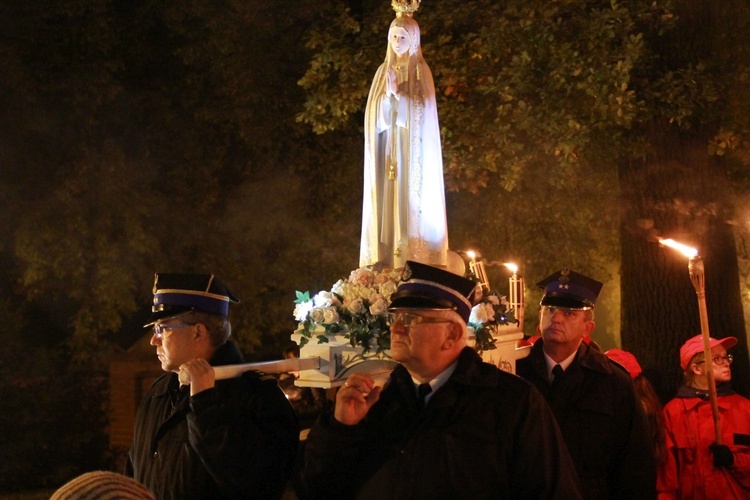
column 689, row 471
column 236, row 440
column 602, row 422
column 484, row 434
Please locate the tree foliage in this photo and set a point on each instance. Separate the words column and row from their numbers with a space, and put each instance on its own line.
column 522, row 81
column 146, row 133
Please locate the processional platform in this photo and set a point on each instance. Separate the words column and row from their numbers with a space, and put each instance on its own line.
column 338, row 358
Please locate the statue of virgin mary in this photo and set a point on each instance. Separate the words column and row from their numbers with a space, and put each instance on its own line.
column 403, row 214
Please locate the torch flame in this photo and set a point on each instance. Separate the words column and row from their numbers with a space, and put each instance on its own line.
column 511, row 266
column 687, row 251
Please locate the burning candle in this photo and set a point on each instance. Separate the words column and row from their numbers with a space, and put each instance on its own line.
column 516, row 293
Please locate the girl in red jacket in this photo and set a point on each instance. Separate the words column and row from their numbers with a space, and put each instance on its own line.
column 696, row 466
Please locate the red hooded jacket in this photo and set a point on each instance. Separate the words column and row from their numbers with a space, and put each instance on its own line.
column 689, row 471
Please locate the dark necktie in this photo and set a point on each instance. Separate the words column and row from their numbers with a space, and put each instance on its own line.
column 557, row 372
column 422, row 392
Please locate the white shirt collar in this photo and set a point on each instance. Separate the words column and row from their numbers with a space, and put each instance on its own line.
column 437, row 382
column 564, row 364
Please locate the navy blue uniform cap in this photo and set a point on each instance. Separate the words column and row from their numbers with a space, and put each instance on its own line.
column 569, row 290
column 178, row 293
column 428, row 287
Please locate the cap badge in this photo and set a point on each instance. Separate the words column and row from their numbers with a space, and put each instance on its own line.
column 406, row 275
column 564, row 278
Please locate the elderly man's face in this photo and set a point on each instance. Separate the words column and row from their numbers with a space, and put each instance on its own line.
column 417, row 336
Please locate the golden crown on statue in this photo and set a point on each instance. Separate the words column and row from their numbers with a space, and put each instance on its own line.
column 405, row 7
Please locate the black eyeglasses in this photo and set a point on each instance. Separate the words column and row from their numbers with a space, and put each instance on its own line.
column 160, row 330
column 410, row 320
column 720, row 360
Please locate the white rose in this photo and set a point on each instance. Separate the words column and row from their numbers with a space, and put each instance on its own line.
column 317, row 314
column 302, row 310
column 330, row 315
column 479, row 314
column 345, row 290
column 388, row 288
column 338, row 287
column 396, row 275
column 490, row 311
column 356, row 306
column 379, row 307
column 324, row 299
column 365, row 293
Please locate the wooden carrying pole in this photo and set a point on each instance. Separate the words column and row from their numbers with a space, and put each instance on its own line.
column 695, row 267
column 280, row 366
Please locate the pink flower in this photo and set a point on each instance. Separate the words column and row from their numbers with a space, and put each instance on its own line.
column 362, row 276
column 379, row 307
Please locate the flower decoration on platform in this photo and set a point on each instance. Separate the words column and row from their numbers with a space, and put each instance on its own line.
column 355, row 308
column 486, row 316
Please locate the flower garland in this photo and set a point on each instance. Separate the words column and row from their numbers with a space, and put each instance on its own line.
column 355, row 307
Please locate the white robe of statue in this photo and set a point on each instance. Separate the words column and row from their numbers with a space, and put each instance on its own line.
column 403, row 213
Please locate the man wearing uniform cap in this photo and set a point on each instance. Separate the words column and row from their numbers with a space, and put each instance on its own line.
column 446, row 425
column 592, row 397
column 233, row 438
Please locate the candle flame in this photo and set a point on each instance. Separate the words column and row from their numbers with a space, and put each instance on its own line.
column 471, row 254
column 511, row 266
column 687, row 251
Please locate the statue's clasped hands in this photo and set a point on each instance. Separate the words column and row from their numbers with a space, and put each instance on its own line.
column 391, row 82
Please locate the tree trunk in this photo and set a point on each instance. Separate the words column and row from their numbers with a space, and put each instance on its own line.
column 681, row 194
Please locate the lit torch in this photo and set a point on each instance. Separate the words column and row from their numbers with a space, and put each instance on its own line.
column 695, row 268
